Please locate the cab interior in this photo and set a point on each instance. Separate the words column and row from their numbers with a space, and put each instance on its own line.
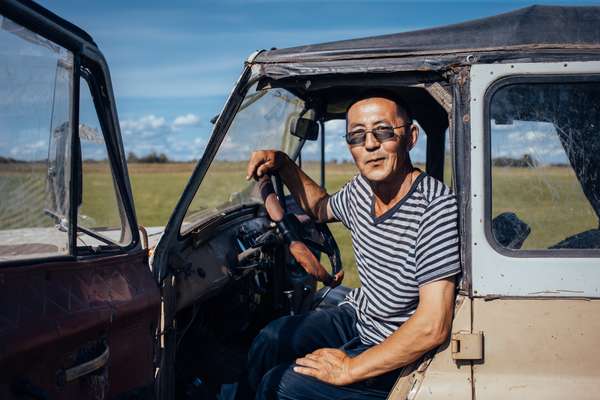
column 225, row 296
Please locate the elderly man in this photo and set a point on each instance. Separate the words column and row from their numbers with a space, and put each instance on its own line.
column 405, row 238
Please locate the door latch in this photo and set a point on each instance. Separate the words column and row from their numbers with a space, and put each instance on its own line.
column 467, row 345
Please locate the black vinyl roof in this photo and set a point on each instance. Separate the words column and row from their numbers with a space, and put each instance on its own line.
column 539, row 27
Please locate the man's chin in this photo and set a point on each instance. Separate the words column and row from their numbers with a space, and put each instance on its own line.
column 376, row 175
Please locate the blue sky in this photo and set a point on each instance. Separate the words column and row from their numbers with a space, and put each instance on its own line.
column 174, row 64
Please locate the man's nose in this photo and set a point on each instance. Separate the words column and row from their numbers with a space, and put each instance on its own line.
column 370, row 142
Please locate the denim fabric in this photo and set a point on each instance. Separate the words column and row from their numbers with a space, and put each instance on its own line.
column 272, row 354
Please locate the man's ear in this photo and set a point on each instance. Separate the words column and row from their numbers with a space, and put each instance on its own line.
column 413, row 137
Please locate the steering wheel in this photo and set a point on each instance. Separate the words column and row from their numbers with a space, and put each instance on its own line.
column 299, row 245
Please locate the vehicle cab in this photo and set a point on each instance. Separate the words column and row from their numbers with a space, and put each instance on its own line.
column 509, row 110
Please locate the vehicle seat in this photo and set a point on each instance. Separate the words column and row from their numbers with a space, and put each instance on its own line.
column 509, row 230
column 584, row 240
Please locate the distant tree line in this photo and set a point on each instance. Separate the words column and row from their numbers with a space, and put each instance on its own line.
column 526, row 161
column 152, row 158
column 8, row 160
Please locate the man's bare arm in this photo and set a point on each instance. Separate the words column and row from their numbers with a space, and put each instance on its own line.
column 428, row 328
column 313, row 199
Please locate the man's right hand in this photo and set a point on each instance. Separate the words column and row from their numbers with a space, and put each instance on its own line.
column 308, row 194
column 263, row 162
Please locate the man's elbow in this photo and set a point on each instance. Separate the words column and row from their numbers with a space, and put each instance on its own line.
column 435, row 333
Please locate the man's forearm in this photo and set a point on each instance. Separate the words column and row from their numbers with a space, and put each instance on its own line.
column 428, row 328
column 411, row 341
column 308, row 194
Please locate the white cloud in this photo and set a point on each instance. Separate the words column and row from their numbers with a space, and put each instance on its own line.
column 538, row 139
column 145, row 126
column 30, row 151
column 185, row 120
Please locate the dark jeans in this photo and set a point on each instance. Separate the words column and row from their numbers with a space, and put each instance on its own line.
column 274, row 350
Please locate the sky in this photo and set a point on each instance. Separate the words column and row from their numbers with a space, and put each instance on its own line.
column 174, row 63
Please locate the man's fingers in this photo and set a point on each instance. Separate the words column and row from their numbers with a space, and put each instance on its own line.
column 262, row 169
column 261, row 162
column 310, row 363
column 307, row 371
column 250, row 170
column 255, row 160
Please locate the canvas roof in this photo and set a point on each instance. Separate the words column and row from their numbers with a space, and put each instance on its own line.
column 546, row 29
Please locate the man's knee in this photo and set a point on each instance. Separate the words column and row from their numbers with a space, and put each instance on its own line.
column 282, row 382
column 267, row 339
column 264, row 352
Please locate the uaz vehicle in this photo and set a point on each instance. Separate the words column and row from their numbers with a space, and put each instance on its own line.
column 511, row 110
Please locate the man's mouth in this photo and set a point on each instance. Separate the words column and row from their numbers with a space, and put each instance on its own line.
column 375, row 160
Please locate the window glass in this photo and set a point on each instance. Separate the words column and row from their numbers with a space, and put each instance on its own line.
column 545, row 165
column 100, row 219
column 35, row 140
column 262, row 122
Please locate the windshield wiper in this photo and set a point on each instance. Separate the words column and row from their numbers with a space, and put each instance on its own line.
column 62, row 224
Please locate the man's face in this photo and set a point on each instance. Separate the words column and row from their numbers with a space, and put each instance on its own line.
column 380, row 162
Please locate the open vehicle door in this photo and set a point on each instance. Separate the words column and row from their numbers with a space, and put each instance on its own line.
column 78, row 303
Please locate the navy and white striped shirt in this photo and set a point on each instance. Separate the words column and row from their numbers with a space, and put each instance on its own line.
column 413, row 243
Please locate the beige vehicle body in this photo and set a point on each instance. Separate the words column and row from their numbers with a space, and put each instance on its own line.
column 524, row 327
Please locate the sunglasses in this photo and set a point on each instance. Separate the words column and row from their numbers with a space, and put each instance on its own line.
column 358, row 137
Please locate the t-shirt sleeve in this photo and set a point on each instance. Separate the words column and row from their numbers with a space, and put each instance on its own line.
column 339, row 203
column 437, row 251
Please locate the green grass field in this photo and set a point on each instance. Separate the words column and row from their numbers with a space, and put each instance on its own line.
column 549, row 199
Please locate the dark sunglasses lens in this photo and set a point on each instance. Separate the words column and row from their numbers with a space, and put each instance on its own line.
column 383, row 134
column 355, row 138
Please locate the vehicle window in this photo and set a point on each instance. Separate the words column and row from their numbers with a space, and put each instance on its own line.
column 262, row 122
column 100, row 215
column 35, row 140
column 545, row 165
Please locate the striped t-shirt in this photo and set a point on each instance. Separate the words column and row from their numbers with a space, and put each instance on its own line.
column 413, row 243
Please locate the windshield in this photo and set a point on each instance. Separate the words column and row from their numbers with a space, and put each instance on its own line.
column 262, row 122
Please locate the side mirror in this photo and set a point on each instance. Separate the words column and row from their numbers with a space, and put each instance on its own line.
column 304, row 128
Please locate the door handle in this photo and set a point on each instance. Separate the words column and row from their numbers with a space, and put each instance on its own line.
column 76, row 372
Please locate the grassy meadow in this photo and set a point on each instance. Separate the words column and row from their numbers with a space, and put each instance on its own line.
column 549, row 199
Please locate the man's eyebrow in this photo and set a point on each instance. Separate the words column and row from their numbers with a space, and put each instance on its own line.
column 356, row 125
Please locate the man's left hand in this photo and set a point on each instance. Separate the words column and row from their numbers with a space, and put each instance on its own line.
column 327, row 365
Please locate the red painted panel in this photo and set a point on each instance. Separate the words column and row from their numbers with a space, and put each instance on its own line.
column 56, row 315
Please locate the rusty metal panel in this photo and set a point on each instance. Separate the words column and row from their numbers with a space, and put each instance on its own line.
column 55, row 316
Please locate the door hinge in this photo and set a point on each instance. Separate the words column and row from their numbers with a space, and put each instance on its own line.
column 467, row 345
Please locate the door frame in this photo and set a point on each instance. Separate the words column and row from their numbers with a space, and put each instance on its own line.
column 526, row 273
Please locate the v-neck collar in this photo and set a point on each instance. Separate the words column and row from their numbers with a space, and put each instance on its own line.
column 395, row 207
